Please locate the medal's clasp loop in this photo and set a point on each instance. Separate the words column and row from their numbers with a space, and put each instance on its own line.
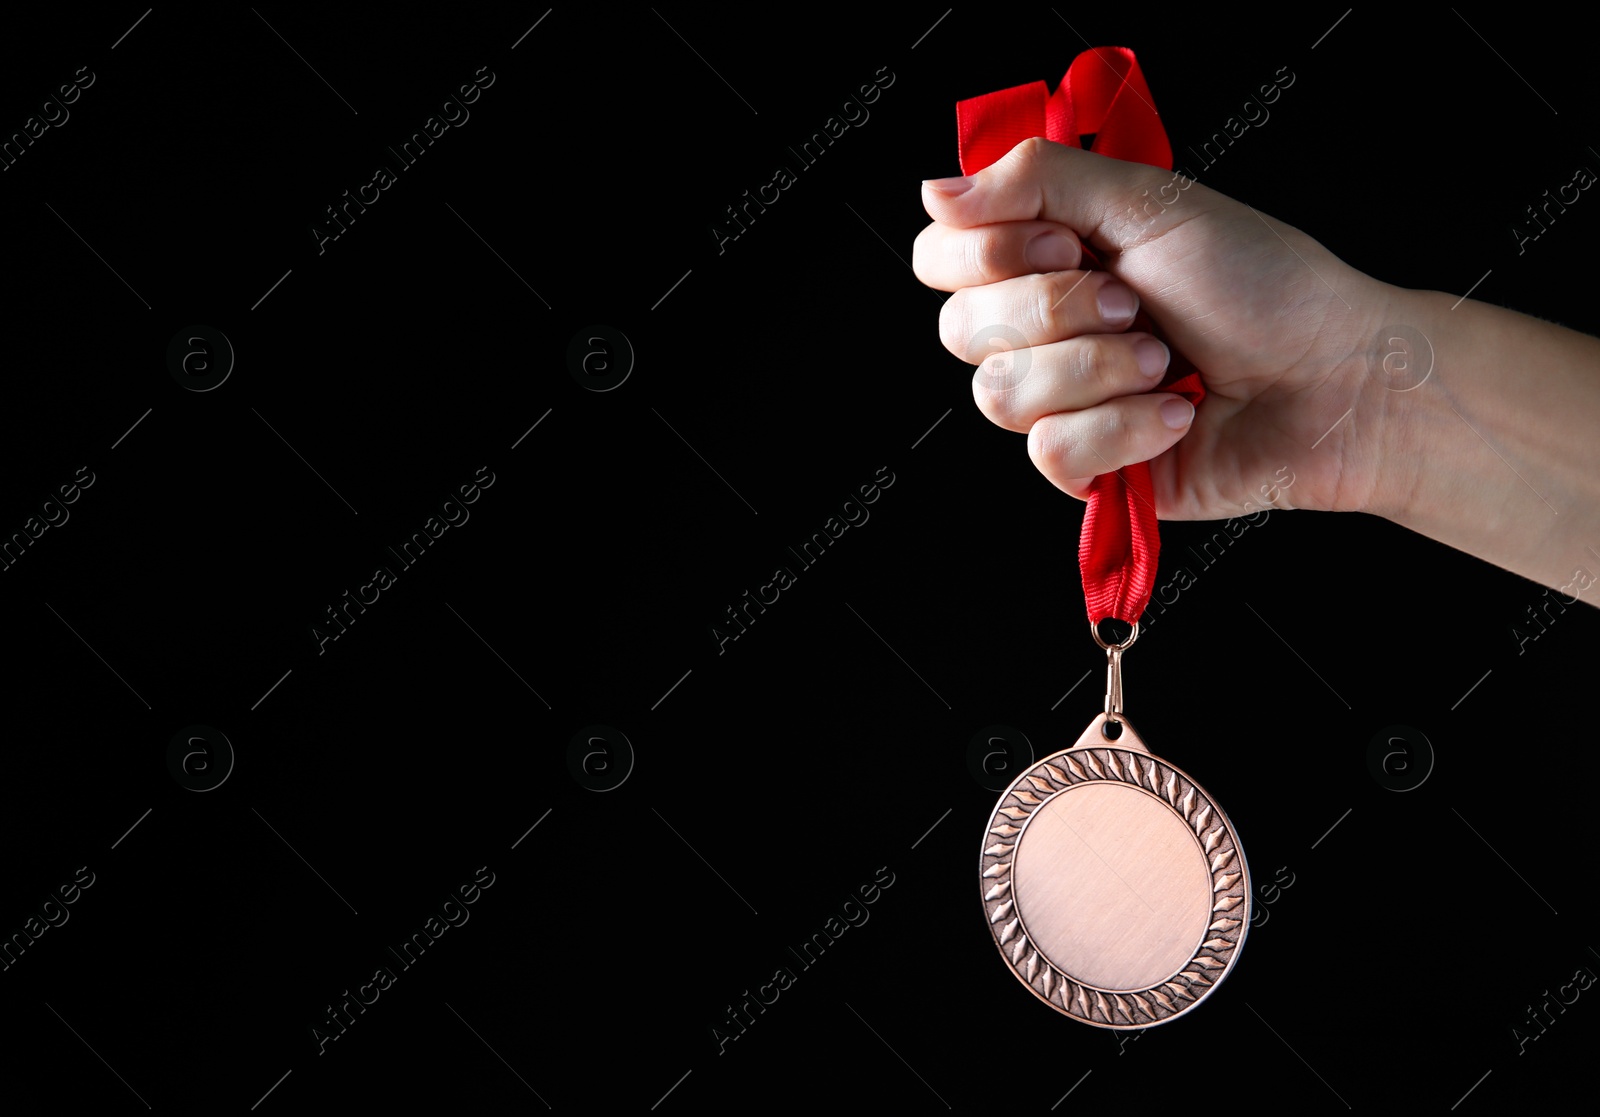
column 1114, row 668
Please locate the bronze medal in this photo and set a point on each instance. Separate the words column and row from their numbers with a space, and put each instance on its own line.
column 1114, row 886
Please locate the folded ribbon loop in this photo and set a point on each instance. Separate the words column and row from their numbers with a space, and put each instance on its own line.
column 1104, row 95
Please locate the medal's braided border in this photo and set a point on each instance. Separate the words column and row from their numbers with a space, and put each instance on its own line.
column 1230, row 886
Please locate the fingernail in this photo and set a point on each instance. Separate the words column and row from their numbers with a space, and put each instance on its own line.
column 1117, row 302
column 1052, row 251
column 949, row 187
column 1152, row 356
column 1177, row 412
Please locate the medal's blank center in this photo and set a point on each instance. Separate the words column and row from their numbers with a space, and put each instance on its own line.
column 1111, row 886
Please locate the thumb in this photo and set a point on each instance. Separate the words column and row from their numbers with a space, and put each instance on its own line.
column 1111, row 204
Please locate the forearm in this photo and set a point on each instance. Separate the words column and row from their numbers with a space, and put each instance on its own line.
column 1497, row 453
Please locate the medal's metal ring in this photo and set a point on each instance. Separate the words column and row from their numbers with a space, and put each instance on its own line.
column 1094, row 630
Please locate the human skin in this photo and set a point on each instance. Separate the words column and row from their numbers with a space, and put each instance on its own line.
column 1496, row 452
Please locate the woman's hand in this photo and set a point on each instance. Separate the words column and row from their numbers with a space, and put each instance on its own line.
column 1285, row 334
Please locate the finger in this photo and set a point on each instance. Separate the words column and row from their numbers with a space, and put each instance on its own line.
column 947, row 258
column 1016, row 389
column 1071, row 446
column 1034, row 310
column 1111, row 204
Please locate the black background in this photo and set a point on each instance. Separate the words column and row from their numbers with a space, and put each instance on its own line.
column 829, row 741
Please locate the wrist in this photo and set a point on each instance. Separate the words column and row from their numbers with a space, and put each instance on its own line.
column 1403, row 394
column 1488, row 453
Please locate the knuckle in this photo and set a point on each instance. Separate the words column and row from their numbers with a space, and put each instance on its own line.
column 1052, row 305
column 954, row 318
column 1050, row 445
column 922, row 250
column 1038, row 437
column 1047, row 290
column 1117, row 434
column 981, row 256
column 997, row 384
column 1094, row 364
column 1031, row 152
column 990, row 402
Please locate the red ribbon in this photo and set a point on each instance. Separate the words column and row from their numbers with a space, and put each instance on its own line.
column 1103, row 94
